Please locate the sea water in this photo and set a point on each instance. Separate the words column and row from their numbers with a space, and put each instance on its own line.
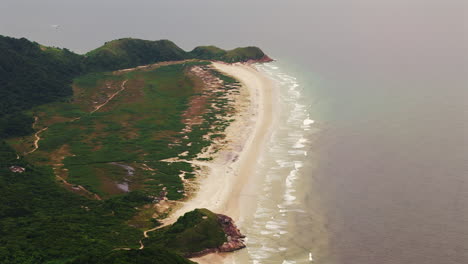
column 284, row 228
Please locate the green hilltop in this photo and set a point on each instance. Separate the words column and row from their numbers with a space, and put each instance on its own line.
column 128, row 53
column 235, row 55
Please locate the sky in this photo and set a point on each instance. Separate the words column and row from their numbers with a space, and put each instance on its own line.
column 381, row 37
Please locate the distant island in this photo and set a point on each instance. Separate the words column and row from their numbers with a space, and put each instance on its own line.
column 99, row 151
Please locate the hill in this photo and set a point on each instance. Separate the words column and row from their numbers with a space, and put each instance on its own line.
column 195, row 234
column 231, row 56
column 32, row 74
column 128, row 53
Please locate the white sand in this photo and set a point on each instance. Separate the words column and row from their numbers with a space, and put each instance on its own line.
column 227, row 181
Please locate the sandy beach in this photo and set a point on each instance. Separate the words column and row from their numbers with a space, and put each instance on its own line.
column 227, row 182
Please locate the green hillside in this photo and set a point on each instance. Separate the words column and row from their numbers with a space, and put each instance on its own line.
column 32, row 74
column 193, row 232
column 128, row 53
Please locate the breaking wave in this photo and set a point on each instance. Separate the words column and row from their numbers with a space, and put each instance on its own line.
column 282, row 168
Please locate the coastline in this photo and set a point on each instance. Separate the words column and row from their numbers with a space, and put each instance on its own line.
column 224, row 188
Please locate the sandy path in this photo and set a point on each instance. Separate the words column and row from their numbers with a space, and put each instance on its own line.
column 122, row 87
column 37, row 137
column 97, row 197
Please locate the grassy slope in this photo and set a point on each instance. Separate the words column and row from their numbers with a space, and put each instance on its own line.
column 134, row 128
column 139, row 127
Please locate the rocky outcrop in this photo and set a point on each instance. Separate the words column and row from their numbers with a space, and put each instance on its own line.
column 235, row 240
column 263, row 59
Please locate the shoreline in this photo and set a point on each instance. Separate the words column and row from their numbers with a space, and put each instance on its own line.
column 222, row 189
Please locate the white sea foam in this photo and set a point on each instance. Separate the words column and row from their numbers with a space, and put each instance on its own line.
column 272, row 225
column 296, row 152
column 300, row 143
column 281, row 170
column 308, row 121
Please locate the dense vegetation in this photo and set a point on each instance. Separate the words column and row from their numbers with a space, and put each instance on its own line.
column 146, row 256
column 193, row 232
column 41, row 222
column 31, row 75
column 235, row 55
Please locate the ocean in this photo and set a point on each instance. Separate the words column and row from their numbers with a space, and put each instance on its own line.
column 381, row 174
column 284, row 228
column 361, row 173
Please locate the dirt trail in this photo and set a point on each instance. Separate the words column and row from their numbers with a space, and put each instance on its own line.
column 38, row 138
column 36, row 135
column 111, row 97
column 97, row 197
column 145, row 234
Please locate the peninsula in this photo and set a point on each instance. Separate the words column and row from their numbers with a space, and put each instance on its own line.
column 122, row 146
